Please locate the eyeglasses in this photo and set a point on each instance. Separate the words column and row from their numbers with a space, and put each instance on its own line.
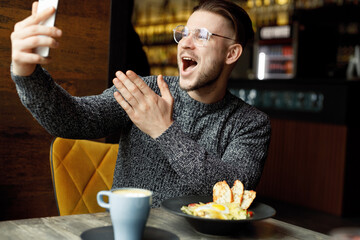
column 200, row 35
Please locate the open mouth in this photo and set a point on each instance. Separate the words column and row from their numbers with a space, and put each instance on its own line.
column 188, row 63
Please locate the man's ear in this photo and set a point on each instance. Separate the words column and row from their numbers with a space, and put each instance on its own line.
column 234, row 52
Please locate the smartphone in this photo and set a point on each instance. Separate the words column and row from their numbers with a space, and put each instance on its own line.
column 44, row 4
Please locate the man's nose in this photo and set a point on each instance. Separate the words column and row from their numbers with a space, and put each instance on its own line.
column 188, row 41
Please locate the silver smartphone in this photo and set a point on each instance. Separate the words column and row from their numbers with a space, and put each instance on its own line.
column 44, row 4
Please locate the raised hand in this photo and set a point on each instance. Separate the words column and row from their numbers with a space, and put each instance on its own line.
column 28, row 35
column 150, row 112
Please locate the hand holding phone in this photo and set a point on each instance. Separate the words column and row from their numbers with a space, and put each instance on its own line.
column 50, row 22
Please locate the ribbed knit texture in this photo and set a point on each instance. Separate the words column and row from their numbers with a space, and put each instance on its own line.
column 207, row 143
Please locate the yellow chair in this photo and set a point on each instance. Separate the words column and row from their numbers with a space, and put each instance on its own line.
column 81, row 168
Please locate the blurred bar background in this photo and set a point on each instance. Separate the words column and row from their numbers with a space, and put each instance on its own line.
column 301, row 69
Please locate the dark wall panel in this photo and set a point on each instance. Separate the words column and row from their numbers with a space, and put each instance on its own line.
column 80, row 66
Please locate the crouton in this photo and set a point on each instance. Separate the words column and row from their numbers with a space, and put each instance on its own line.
column 248, row 198
column 238, row 191
column 222, row 193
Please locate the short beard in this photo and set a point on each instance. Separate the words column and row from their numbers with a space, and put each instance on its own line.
column 206, row 79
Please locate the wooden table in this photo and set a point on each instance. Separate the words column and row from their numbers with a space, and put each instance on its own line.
column 71, row 227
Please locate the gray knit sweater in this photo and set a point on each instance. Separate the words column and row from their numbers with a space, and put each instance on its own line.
column 207, row 143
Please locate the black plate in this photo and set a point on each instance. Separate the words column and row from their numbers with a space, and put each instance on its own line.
column 216, row 226
column 107, row 233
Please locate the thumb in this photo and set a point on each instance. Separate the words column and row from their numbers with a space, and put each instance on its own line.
column 164, row 89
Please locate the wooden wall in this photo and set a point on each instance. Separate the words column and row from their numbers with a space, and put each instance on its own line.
column 80, row 66
column 306, row 165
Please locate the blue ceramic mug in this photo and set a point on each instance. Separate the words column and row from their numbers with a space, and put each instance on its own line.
column 129, row 211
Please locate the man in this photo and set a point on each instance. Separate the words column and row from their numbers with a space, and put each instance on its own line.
column 180, row 135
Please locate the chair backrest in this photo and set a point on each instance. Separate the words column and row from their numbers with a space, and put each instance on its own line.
column 80, row 169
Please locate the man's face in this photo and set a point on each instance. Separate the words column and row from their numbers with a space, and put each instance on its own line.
column 201, row 66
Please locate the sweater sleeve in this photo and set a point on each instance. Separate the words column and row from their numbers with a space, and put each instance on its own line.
column 243, row 158
column 68, row 116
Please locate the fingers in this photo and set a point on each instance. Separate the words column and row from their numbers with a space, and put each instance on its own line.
column 35, row 18
column 28, row 35
column 34, row 8
column 127, row 89
column 151, row 113
column 134, row 88
column 123, row 103
column 42, row 41
column 22, row 48
column 137, row 94
column 134, row 81
column 29, row 58
column 36, row 30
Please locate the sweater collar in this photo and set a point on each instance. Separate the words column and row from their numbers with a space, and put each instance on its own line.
column 199, row 106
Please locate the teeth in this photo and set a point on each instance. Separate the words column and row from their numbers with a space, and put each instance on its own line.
column 188, row 59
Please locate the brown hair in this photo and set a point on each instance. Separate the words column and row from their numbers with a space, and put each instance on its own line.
column 238, row 17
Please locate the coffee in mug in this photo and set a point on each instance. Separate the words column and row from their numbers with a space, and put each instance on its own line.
column 129, row 211
column 132, row 192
